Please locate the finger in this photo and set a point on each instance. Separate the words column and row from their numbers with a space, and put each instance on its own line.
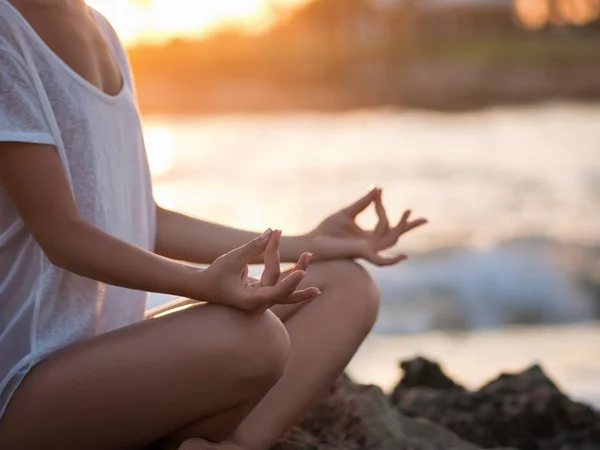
column 361, row 204
column 403, row 221
column 300, row 296
column 248, row 252
column 383, row 261
column 273, row 294
column 272, row 270
column 245, row 272
column 384, row 224
column 295, row 297
column 415, row 224
column 253, row 282
column 405, row 225
column 303, row 262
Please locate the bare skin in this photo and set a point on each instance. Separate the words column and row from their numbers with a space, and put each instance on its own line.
column 238, row 371
column 324, row 335
column 159, row 372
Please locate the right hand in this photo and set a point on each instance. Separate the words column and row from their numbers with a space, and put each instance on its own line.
column 226, row 280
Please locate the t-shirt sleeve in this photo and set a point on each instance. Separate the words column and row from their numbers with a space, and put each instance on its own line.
column 21, row 115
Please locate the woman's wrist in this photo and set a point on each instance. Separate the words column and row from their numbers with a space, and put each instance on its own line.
column 189, row 282
column 292, row 247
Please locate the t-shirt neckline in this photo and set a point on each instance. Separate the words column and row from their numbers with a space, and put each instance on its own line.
column 76, row 76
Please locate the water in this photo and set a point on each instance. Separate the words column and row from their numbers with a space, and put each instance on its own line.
column 479, row 177
column 482, row 178
column 513, row 199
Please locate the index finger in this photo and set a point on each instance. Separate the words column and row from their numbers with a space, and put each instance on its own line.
column 248, row 252
column 361, row 204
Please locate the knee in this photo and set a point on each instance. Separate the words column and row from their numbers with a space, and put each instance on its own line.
column 263, row 350
column 255, row 346
column 358, row 289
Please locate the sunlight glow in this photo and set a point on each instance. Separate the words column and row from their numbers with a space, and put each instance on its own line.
column 159, row 20
column 535, row 14
column 160, row 148
column 174, row 310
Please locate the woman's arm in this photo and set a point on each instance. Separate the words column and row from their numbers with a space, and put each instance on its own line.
column 187, row 239
column 35, row 181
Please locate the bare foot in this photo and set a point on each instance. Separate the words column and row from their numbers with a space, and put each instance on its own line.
column 201, row 444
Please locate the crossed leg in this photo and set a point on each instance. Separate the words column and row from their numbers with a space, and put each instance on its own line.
column 324, row 334
column 207, row 372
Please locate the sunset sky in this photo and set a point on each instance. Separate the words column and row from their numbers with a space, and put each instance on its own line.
column 156, row 20
column 159, row 20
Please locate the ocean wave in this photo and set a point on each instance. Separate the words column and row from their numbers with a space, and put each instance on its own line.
column 525, row 281
column 522, row 281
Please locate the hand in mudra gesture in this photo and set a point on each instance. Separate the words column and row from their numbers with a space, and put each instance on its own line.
column 339, row 236
column 226, row 280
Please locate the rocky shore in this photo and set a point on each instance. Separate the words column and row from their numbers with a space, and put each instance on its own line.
column 429, row 411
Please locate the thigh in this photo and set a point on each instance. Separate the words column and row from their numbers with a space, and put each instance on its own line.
column 316, row 276
column 130, row 387
column 326, row 275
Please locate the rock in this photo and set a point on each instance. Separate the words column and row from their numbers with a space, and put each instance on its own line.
column 354, row 416
column 429, row 411
column 422, row 372
column 525, row 410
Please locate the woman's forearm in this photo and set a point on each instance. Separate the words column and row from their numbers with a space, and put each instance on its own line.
column 34, row 178
column 184, row 238
column 85, row 250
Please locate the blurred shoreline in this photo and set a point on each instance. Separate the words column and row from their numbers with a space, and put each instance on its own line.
column 445, row 86
column 331, row 55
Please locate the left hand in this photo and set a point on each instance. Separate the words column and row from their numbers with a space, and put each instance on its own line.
column 339, row 236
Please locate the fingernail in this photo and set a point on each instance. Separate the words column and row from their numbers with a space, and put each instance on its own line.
column 266, row 234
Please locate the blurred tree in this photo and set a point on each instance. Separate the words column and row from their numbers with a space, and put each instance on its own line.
column 331, row 22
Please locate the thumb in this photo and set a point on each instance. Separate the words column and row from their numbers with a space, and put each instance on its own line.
column 248, row 252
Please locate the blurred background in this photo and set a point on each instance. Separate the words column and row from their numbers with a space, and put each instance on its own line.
column 482, row 115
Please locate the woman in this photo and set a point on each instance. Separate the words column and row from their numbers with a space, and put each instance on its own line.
column 82, row 241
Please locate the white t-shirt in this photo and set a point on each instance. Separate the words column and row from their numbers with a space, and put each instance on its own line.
column 99, row 140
